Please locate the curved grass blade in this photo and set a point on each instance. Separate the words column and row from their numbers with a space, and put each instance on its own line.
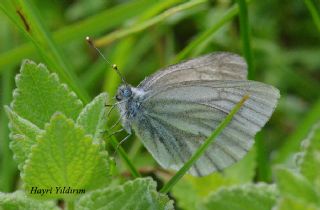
column 314, row 12
column 245, row 36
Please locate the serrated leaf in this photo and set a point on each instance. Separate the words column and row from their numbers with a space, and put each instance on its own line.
column 19, row 201
column 137, row 194
column 287, row 203
column 244, row 197
column 39, row 95
column 92, row 118
column 311, row 157
column 295, row 185
column 64, row 157
column 23, row 135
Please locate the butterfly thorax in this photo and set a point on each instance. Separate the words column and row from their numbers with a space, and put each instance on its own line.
column 129, row 104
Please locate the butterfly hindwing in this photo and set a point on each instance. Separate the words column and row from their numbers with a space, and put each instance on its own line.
column 178, row 118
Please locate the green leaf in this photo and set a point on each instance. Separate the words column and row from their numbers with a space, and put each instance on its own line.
column 311, row 157
column 294, row 185
column 93, row 117
column 293, row 204
column 19, row 201
column 64, row 157
column 39, row 95
column 137, row 194
column 23, row 135
column 244, row 197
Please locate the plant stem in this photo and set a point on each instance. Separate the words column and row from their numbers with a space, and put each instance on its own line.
column 245, row 35
column 167, row 187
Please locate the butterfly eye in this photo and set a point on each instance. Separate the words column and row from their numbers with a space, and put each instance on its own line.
column 127, row 92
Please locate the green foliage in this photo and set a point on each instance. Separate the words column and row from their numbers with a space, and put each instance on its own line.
column 293, row 184
column 65, row 156
column 300, row 189
column 93, row 117
column 311, row 157
column 294, row 204
column 23, row 135
column 19, row 201
column 59, row 137
column 199, row 188
column 42, row 91
column 246, row 197
column 137, row 194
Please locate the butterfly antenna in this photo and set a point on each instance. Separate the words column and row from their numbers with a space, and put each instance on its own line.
column 113, row 66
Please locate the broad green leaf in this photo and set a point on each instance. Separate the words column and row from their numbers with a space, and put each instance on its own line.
column 93, row 117
column 19, row 201
column 289, row 203
column 39, row 95
column 23, row 135
column 137, row 194
column 295, row 185
column 311, row 157
column 64, row 157
column 244, row 197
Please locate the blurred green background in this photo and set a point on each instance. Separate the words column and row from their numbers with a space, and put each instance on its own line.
column 142, row 36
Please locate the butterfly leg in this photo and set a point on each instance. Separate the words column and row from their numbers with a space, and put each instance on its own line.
column 118, row 121
column 115, row 132
column 123, row 140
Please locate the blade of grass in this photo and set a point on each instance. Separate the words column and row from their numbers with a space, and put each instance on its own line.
column 77, row 31
column 8, row 168
column 245, row 36
column 314, row 12
column 264, row 172
column 26, row 17
column 263, row 166
column 206, row 36
column 118, row 34
column 167, row 187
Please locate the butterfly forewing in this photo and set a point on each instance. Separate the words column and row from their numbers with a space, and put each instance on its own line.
column 178, row 118
column 214, row 66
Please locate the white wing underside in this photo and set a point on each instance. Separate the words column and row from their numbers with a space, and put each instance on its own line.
column 214, row 66
column 181, row 111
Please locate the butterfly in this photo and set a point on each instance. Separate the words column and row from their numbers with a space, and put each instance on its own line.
column 174, row 110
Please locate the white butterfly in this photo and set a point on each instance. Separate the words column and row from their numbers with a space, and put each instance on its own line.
column 176, row 109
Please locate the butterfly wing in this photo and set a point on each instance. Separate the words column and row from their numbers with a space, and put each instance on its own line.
column 178, row 118
column 214, row 66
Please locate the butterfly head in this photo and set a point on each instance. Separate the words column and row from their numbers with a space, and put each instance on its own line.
column 124, row 92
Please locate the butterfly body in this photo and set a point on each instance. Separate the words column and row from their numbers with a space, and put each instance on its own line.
column 174, row 110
